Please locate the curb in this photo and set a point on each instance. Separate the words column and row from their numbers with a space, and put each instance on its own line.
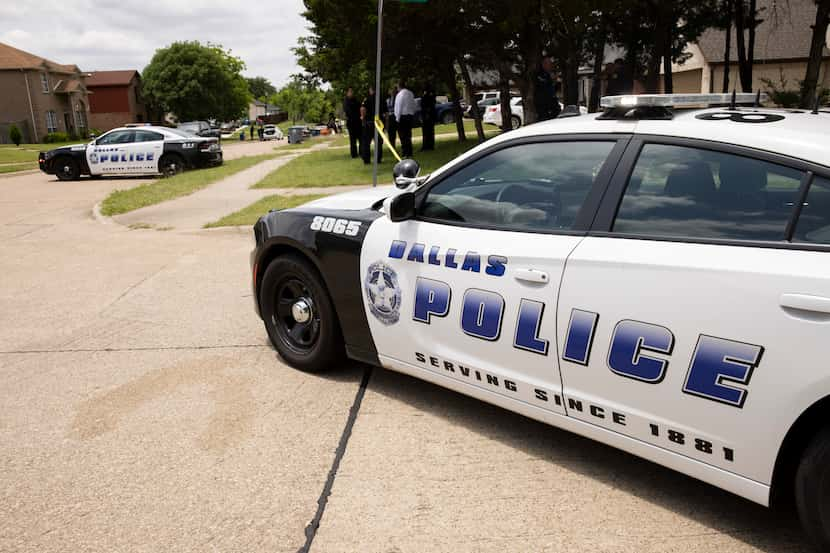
column 100, row 217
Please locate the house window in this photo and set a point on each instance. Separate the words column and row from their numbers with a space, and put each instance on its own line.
column 44, row 82
column 51, row 121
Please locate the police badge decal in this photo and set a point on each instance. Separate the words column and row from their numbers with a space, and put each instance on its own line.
column 383, row 293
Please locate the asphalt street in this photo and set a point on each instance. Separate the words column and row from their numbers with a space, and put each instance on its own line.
column 142, row 409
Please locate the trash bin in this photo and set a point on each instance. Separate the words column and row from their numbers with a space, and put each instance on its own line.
column 295, row 135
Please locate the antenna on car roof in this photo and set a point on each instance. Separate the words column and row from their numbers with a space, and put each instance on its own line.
column 817, row 103
column 734, row 100
column 758, row 99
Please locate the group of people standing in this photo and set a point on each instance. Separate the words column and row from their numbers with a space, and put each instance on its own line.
column 398, row 113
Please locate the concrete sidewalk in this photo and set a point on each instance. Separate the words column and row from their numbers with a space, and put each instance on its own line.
column 209, row 204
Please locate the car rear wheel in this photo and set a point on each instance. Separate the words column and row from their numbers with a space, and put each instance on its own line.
column 67, row 168
column 515, row 122
column 170, row 165
column 299, row 316
column 812, row 490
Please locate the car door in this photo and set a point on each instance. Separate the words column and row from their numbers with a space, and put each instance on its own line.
column 687, row 317
column 110, row 154
column 465, row 295
column 146, row 151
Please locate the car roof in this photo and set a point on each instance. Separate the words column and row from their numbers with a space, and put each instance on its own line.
column 796, row 133
column 155, row 128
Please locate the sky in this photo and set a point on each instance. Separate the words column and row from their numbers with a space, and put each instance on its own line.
column 124, row 34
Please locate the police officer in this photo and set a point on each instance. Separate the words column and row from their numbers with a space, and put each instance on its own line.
column 428, row 118
column 545, row 100
column 391, row 122
column 367, row 114
column 351, row 107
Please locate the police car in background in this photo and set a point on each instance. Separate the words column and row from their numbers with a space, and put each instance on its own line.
column 133, row 150
column 654, row 278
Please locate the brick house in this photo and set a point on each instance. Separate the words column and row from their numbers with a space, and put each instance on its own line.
column 782, row 49
column 40, row 96
column 115, row 99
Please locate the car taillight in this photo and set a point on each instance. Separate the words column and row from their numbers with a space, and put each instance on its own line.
column 493, row 109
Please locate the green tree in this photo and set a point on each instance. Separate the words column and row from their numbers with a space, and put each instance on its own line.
column 303, row 100
column 196, row 81
column 260, row 87
column 15, row 135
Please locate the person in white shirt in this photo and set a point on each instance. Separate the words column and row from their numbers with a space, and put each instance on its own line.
column 405, row 108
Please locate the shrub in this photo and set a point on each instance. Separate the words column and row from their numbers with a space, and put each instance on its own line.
column 15, row 135
column 56, row 137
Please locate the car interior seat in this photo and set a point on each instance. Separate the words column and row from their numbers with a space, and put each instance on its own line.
column 742, row 185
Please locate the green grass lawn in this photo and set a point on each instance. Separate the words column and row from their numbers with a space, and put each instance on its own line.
column 252, row 213
column 161, row 190
column 9, row 153
column 13, row 168
column 334, row 167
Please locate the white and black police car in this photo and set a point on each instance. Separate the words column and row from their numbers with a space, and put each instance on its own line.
column 654, row 278
column 133, row 150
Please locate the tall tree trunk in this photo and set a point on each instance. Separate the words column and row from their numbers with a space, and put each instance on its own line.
column 570, row 80
column 744, row 64
column 750, row 48
column 727, row 52
column 504, row 92
column 808, row 90
column 468, row 83
column 668, row 81
column 660, row 13
column 452, row 87
column 596, row 82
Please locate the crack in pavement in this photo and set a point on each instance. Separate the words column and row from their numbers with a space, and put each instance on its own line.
column 145, row 348
column 314, row 525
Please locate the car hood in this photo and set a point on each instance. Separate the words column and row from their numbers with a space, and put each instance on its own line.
column 352, row 201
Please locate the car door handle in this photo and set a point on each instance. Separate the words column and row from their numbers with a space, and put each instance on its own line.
column 805, row 302
column 532, row 275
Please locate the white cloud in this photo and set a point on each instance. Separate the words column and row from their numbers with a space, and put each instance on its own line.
column 99, row 35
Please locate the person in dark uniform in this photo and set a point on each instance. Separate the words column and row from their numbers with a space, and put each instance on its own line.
column 391, row 123
column 367, row 113
column 428, row 118
column 351, row 107
column 261, row 131
column 545, row 100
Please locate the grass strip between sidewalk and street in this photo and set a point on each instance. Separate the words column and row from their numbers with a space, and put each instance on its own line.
column 251, row 214
column 9, row 153
column 14, row 168
column 163, row 189
column 334, row 167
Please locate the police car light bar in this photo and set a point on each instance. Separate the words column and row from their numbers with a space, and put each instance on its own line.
column 675, row 100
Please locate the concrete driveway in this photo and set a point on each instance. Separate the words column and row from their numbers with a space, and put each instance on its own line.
column 142, row 409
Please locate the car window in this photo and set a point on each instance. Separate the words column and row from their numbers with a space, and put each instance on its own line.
column 690, row 192
column 148, row 136
column 814, row 222
column 538, row 186
column 117, row 137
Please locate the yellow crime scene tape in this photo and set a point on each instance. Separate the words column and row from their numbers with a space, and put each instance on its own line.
column 382, row 133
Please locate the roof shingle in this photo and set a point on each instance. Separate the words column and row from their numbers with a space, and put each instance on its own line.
column 13, row 58
column 111, row 78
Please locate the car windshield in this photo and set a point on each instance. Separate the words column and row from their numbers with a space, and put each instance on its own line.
column 189, row 127
column 180, row 132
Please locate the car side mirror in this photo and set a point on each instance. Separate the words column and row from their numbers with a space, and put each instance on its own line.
column 406, row 173
column 402, row 207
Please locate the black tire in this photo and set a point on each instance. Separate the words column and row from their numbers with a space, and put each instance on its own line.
column 171, row 165
column 812, row 490
column 67, row 168
column 447, row 118
column 515, row 122
column 314, row 346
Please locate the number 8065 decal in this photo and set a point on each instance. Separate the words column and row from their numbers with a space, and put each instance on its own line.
column 335, row 226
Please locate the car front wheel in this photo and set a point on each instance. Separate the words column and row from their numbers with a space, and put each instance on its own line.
column 812, row 490
column 515, row 122
column 299, row 316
